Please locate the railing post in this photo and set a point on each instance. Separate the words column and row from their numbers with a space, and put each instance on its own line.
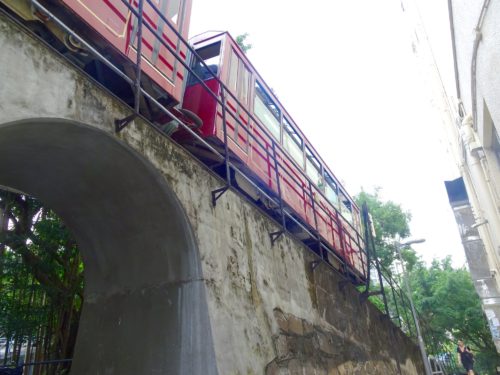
column 313, row 205
column 275, row 235
column 122, row 123
column 216, row 194
column 137, row 83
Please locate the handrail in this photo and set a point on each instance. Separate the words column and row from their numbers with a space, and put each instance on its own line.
column 280, row 168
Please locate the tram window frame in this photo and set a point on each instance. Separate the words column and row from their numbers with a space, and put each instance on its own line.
column 313, row 166
column 293, row 143
column 243, row 86
column 346, row 208
column 211, row 55
column 174, row 9
column 232, row 77
column 267, row 111
column 331, row 189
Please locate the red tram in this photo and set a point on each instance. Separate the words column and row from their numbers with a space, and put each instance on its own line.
column 259, row 129
column 112, row 26
column 262, row 138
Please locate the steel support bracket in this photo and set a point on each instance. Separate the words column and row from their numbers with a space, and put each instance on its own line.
column 275, row 235
column 121, row 124
column 216, row 194
column 314, row 264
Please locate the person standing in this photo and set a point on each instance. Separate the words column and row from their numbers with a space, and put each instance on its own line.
column 466, row 357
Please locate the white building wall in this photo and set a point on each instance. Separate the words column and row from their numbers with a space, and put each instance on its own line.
column 468, row 117
column 476, row 26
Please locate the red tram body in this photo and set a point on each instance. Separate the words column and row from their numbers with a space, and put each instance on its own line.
column 260, row 132
column 113, row 20
column 306, row 184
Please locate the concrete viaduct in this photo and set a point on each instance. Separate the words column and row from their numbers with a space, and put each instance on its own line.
column 173, row 285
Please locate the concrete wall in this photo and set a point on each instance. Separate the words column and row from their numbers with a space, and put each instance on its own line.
column 261, row 309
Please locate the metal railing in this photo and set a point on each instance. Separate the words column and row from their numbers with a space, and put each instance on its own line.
column 52, row 367
column 394, row 302
column 286, row 213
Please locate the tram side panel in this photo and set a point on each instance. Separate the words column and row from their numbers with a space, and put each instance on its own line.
column 114, row 21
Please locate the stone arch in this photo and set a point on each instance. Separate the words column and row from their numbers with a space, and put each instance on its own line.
column 145, row 308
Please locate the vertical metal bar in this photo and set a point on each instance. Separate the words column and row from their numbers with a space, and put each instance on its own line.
column 396, row 304
column 342, row 241
column 406, row 313
column 278, row 184
column 313, row 204
column 367, row 225
column 224, row 127
column 380, row 278
column 137, row 83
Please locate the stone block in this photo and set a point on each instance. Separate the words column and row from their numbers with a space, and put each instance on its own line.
column 281, row 347
column 308, row 328
column 281, row 319
column 274, row 369
column 295, row 326
column 295, row 367
column 328, row 343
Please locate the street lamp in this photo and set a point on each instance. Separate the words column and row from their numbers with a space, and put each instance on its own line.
column 421, row 345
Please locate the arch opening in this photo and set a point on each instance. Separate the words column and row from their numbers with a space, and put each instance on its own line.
column 145, row 309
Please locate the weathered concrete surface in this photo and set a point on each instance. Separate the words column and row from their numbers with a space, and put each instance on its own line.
column 174, row 285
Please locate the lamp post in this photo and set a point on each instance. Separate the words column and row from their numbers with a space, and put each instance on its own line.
column 421, row 345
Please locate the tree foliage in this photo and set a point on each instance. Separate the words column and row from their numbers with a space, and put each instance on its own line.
column 41, row 279
column 240, row 40
column 450, row 310
column 391, row 223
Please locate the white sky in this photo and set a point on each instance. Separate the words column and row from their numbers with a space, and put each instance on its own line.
column 346, row 73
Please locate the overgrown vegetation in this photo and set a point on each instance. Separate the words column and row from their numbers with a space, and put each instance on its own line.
column 41, row 283
column 447, row 303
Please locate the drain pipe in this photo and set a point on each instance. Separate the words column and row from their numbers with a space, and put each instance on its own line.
column 475, row 47
column 454, row 48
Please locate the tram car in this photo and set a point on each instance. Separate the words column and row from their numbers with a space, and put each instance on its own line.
column 228, row 105
column 267, row 144
column 111, row 27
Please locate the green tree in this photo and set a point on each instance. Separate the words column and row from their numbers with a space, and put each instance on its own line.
column 391, row 223
column 41, row 279
column 240, row 40
column 450, row 310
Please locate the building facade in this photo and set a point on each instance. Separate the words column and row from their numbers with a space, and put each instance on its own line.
column 473, row 133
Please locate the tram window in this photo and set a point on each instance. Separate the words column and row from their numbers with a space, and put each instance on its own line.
column 267, row 111
column 293, row 143
column 233, row 72
column 210, row 56
column 313, row 167
column 345, row 207
column 243, row 83
column 173, row 10
column 331, row 190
